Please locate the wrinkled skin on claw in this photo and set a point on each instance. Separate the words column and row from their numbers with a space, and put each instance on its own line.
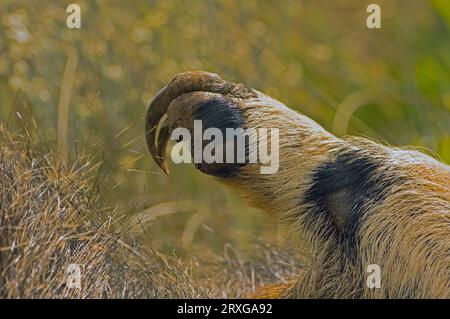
column 351, row 202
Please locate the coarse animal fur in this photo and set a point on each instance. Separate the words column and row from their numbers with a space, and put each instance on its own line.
column 353, row 202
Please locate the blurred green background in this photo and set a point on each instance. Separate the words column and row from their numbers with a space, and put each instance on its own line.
column 90, row 88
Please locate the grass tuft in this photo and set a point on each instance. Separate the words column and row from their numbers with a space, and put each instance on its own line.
column 52, row 215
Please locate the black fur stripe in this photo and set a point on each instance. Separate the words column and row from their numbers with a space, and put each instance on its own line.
column 340, row 193
column 219, row 113
column 222, row 114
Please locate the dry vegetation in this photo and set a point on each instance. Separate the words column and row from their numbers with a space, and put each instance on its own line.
column 52, row 215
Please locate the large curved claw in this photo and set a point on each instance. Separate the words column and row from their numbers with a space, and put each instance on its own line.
column 157, row 136
column 157, row 133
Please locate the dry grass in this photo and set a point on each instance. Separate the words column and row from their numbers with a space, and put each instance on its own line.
column 52, row 215
column 234, row 275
